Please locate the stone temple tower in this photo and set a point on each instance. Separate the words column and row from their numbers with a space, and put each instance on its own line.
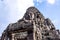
column 33, row 26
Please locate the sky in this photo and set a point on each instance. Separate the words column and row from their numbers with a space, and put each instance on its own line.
column 13, row 10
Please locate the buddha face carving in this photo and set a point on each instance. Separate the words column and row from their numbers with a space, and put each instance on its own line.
column 20, row 36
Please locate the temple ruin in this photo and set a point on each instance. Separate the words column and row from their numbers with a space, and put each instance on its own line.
column 33, row 26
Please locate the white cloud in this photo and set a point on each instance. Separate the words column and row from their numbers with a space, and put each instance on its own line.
column 17, row 8
column 51, row 1
column 40, row 1
column 23, row 5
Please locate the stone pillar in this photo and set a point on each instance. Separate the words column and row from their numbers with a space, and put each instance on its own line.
column 13, row 36
column 34, row 30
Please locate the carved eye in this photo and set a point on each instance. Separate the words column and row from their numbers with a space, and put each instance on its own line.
column 27, row 17
column 37, row 16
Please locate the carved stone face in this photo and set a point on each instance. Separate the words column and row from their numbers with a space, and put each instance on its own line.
column 20, row 36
